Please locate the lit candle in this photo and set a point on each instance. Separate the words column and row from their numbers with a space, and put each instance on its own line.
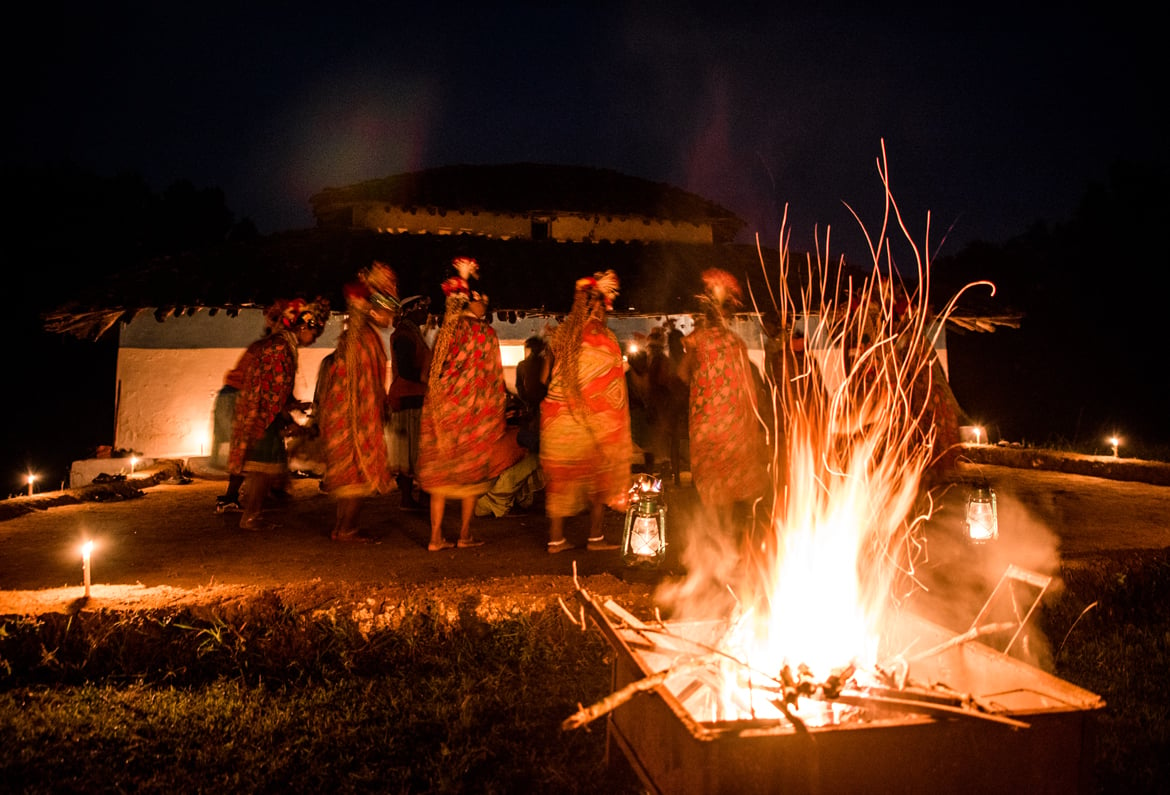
column 31, row 479
column 1114, row 442
column 86, row 549
column 978, row 435
column 133, row 461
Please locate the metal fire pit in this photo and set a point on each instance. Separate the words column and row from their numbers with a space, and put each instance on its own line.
column 889, row 751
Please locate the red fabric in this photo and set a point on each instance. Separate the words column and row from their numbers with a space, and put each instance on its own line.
column 728, row 453
column 463, row 421
column 269, row 370
column 351, row 406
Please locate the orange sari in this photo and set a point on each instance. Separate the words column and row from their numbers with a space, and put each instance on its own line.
column 585, row 446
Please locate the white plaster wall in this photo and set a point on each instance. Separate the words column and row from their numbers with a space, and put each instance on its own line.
column 166, row 396
column 167, row 381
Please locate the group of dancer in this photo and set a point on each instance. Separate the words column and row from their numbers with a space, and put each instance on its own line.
column 441, row 426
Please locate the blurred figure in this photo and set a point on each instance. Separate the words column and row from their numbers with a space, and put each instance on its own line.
column 531, row 389
column 775, row 344
column 263, row 405
column 676, row 406
column 728, row 449
column 585, row 443
column 410, row 357
column 638, row 395
column 463, row 446
column 224, row 415
column 351, row 396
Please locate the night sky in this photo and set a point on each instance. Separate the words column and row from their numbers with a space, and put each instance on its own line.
column 992, row 119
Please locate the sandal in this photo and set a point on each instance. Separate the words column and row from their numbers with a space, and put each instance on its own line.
column 599, row 544
column 559, row 546
column 439, row 547
column 464, row 543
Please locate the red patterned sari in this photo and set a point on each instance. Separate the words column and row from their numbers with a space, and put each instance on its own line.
column 728, row 453
column 352, row 394
column 269, row 370
column 462, row 445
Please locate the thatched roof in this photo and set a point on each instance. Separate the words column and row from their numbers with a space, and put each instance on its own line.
column 529, row 189
column 535, row 277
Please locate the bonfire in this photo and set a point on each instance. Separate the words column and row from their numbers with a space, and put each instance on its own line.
column 804, row 609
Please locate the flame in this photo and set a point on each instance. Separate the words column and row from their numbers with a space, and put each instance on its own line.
column 817, row 589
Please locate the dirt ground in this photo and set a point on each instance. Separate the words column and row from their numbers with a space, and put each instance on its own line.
column 166, row 547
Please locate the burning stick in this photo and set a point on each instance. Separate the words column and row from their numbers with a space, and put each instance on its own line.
column 931, row 708
column 614, row 700
column 960, row 639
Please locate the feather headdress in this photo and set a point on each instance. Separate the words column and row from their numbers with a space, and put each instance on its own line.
column 468, row 269
column 602, row 283
column 721, row 288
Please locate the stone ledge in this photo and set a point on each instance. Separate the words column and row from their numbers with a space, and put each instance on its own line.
column 1156, row 473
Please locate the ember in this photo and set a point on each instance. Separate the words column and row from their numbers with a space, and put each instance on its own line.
column 815, row 591
column 815, row 635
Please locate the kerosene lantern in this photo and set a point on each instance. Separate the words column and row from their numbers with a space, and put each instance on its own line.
column 982, row 519
column 644, row 539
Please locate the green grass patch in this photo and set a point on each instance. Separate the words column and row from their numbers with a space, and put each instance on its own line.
column 1110, row 633
column 276, row 701
column 264, row 698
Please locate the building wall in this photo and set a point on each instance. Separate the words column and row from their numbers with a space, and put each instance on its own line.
column 169, row 373
column 506, row 226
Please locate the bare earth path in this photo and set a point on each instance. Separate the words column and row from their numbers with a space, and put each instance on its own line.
column 168, row 546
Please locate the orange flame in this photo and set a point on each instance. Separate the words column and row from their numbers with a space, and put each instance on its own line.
column 854, row 438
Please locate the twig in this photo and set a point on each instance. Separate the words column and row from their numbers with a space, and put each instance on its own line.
column 958, row 640
column 1070, row 629
column 614, row 700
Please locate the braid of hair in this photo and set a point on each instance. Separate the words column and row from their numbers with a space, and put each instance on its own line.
column 565, row 344
column 451, row 315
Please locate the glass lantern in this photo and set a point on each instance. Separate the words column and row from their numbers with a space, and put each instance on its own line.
column 982, row 518
column 644, row 539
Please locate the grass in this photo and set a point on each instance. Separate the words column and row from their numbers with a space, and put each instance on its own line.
column 1110, row 630
column 278, row 701
column 1129, row 448
column 268, row 699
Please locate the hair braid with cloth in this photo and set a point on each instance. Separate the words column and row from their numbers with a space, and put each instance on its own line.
column 459, row 295
column 722, row 295
column 565, row 340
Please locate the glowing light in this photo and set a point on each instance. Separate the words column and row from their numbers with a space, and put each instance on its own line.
column 818, row 588
column 31, row 480
column 133, row 463
column 86, row 551
column 1114, row 443
column 644, row 538
column 511, row 354
column 978, row 435
column 982, row 516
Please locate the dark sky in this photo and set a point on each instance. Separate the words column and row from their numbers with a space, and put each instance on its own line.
column 991, row 120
